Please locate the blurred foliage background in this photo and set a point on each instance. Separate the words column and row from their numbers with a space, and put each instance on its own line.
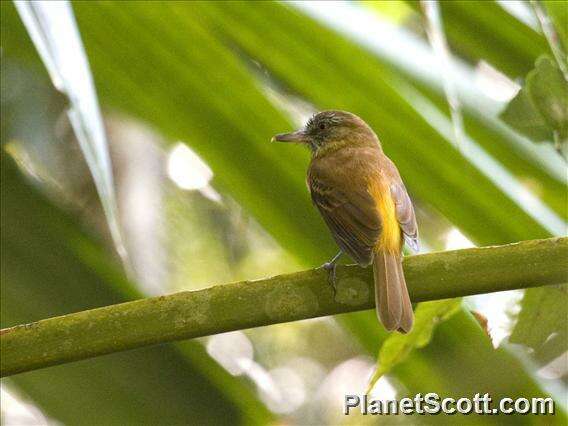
column 467, row 97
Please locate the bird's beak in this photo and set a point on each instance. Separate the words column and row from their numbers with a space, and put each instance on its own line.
column 299, row 136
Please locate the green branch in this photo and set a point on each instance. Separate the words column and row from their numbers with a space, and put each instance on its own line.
column 274, row 300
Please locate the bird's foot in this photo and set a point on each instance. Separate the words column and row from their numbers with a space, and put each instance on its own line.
column 331, row 267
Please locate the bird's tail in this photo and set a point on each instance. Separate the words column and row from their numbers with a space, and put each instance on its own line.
column 391, row 296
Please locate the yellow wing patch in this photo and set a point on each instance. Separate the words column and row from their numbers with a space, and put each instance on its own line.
column 390, row 239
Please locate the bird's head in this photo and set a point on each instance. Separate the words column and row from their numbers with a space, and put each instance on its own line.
column 328, row 131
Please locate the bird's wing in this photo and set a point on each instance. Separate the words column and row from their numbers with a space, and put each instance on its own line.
column 350, row 214
column 405, row 214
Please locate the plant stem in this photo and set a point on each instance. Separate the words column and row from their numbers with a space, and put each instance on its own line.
column 558, row 145
column 551, row 35
column 437, row 37
column 274, row 300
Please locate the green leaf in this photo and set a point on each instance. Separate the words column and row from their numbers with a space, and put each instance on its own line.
column 160, row 63
column 558, row 11
column 483, row 30
column 541, row 324
column 363, row 81
column 83, row 105
column 397, row 347
column 522, row 115
column 541, row 107
column 50, row 267
column 549, row 91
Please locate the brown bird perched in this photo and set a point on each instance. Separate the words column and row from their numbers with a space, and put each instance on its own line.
column 362, row 199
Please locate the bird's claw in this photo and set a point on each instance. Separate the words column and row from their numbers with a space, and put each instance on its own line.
column 330, row 267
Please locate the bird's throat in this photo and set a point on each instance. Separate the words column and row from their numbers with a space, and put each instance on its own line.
column 329, row 147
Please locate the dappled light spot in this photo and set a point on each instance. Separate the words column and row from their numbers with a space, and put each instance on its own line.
column 456, row 240
column 288, row 391
column 349, row 378
column 188, row 171
column 233, row 351
column 494, row 84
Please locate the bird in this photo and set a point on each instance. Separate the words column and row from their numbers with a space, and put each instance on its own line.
column 361, row 196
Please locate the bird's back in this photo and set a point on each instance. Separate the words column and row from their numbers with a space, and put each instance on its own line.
column 339, row 184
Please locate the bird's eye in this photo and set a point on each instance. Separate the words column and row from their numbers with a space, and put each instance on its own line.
column 322, row 126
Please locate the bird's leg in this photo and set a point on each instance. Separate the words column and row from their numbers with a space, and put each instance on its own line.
column 330, row 268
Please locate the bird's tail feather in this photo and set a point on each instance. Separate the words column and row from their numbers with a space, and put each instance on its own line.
column 391, row 296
